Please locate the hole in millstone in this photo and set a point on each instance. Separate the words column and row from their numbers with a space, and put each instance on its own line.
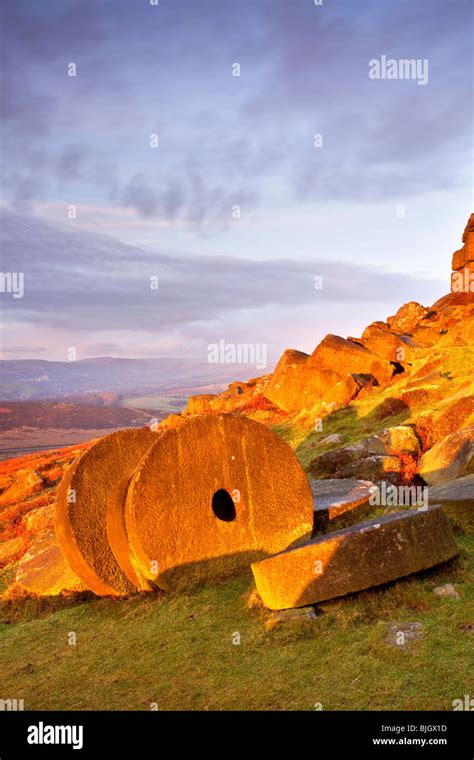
column 223, row 505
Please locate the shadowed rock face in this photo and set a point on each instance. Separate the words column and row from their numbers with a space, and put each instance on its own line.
column 356, row 558
column 378, row 456
column 210, row 494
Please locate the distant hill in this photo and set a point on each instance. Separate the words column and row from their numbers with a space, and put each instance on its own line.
column 34, row 425
column 44, row 414
column 25, row 379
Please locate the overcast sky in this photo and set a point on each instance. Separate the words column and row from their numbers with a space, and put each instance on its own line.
column 375, row 209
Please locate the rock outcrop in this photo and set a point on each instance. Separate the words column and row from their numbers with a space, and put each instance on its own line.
column 462, row 278
column 413, row 370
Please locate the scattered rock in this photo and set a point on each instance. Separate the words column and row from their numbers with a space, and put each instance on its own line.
column 39, row 519
column 449, row 459
column 43, row 569
column 403, row 634
column 286, row 617
column 380, row 339
column 457, row 499
column 377, row 457
column 26, row 484
column 446, row 590
column 297, row 385
column 407, row 317
column 171, row 422
column 355, row 461
column 11, row 550
column 200, row 404
column 347, row 356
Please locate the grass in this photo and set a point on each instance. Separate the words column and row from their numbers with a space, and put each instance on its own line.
column 177, row 651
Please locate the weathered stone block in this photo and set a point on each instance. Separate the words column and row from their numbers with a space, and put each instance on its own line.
column 339, row 501
column 356, row 558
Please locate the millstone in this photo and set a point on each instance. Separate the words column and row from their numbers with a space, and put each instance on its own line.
column 355, row 558
column 211, row 496
column 92, row 486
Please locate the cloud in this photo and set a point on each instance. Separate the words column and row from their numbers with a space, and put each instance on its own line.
column 25, row 350
column 84, row 281
column 168, row 69
column 102, row 349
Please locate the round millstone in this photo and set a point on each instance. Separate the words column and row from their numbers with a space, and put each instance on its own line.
column 210, row 497
column 89, row 489
column 356, row 558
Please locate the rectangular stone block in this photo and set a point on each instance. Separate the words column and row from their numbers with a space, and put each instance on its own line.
column 339, row 502
column 355, row 558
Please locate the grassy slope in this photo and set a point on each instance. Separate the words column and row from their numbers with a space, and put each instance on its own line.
column 177, row 650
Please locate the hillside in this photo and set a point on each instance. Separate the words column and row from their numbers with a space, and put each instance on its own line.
column 395, row 404
column 35, row 425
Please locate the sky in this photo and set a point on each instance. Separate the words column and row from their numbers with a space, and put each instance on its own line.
column 237, row 155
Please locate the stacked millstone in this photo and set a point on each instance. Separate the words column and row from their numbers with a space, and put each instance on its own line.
column 462, row 278
column 89, row 508
column 141, row 510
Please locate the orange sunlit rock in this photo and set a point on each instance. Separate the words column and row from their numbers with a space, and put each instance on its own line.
column 355, row 558
column 43, row 569
column 214, row 494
